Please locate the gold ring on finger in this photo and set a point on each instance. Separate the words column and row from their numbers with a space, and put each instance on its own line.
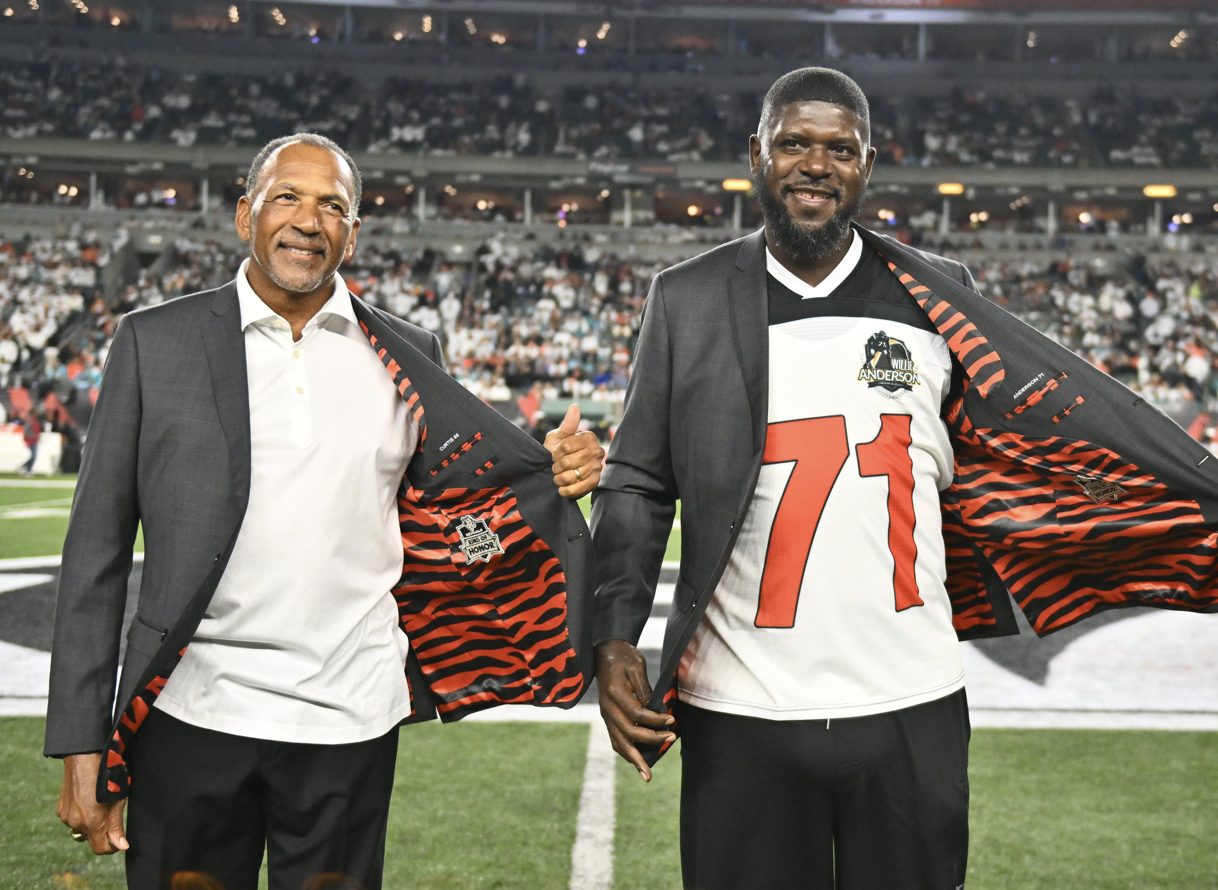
column 579, row 477
column 78, row 836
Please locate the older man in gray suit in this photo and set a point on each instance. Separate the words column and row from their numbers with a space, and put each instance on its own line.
column 271, row 436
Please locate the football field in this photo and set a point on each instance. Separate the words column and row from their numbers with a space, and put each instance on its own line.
column 502, row 804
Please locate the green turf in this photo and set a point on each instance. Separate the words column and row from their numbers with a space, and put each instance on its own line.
column 1051, row 809
column 673, row 553
column 1093, row 810
column 648, row 814
column 34, row 844
column 37, row 535
column 489, row 805
column 475, row 805
column 58, row 498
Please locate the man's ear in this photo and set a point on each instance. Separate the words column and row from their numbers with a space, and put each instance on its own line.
column 242, row 220
column 350, row 251
column 754, row 153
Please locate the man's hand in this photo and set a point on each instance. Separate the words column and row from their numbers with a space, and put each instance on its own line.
column 578, row 457
column 621, row 677
column 100, row 823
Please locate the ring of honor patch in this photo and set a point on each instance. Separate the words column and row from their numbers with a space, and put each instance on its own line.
column 888, row 366
column 478, row 542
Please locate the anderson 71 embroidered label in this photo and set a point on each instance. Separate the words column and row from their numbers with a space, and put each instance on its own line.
column 478, row 542
column 888, row 366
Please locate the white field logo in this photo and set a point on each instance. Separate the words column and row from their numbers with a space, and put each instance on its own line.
column 888, row 366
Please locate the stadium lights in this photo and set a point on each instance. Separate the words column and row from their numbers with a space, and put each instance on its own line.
column 885, row 214
column 470, row 26
column 379, row 200
column 234, row 15
column 737, row 185
column 951, row 188
column 426, row 24
column 1031, row 40
column 1085, row 217
column 34, row 5
column 583, row 43
column 450, row 190
column 1159, row 191
column 115, row 21
column 1179, row 39
column 693, row 209
column 603, row 32
column 278, row 17
column 498, row 38
column 73, row 191
column 8, row 11
column 398, row 35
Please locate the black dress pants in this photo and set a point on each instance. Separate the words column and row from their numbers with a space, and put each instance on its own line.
column 864, row 803
column 204, row 805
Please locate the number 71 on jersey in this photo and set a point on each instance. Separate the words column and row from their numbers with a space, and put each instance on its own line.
column 819, row 448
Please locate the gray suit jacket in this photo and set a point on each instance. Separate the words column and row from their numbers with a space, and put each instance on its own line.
column 168, row 447
column 1071, row 494
column 694, row 428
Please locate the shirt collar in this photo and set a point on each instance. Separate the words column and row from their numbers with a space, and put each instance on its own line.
column 840, row 272
column 253, row 309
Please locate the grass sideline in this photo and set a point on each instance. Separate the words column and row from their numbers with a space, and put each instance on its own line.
column 475, row 806
column 494, row 805
column 1051, row 809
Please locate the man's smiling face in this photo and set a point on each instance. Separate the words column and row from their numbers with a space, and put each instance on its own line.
column 300, row 222
column 811, row 168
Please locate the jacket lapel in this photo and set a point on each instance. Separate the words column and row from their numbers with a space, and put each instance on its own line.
column 746, row 292
column 225, row 346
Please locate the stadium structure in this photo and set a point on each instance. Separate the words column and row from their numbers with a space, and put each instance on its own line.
column 529, row 165
column 1066, row 149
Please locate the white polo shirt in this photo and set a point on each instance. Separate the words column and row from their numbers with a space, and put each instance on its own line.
column 301, row 642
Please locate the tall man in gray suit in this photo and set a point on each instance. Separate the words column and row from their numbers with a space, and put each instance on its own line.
column 872, row 460
column 272, row 438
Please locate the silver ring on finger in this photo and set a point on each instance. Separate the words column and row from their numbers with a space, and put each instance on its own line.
column 579, row 477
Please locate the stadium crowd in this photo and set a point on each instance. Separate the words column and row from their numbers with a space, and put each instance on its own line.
column 113, row 99
column 521, row 320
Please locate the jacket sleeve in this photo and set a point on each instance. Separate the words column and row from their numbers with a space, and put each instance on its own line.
column 97, row 562
column 633, row 508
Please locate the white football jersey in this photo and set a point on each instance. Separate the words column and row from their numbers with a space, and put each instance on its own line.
column 833, row 601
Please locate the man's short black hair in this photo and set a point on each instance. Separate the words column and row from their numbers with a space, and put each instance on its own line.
column 815, row 85
column 315, row 139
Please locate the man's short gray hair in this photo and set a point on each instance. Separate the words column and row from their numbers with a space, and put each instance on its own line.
column 260, row 159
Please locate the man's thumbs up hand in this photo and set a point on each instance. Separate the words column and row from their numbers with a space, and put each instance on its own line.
column 578, row 456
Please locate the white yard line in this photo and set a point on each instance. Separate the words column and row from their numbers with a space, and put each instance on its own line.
column 1047, row 718
column 45, row 562
column 592, row 855
column 37, row 483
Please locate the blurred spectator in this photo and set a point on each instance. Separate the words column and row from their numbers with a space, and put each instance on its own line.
column 522, row 323
column 116, row 100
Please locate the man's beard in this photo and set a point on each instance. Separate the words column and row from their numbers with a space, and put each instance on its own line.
column 804, row 244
